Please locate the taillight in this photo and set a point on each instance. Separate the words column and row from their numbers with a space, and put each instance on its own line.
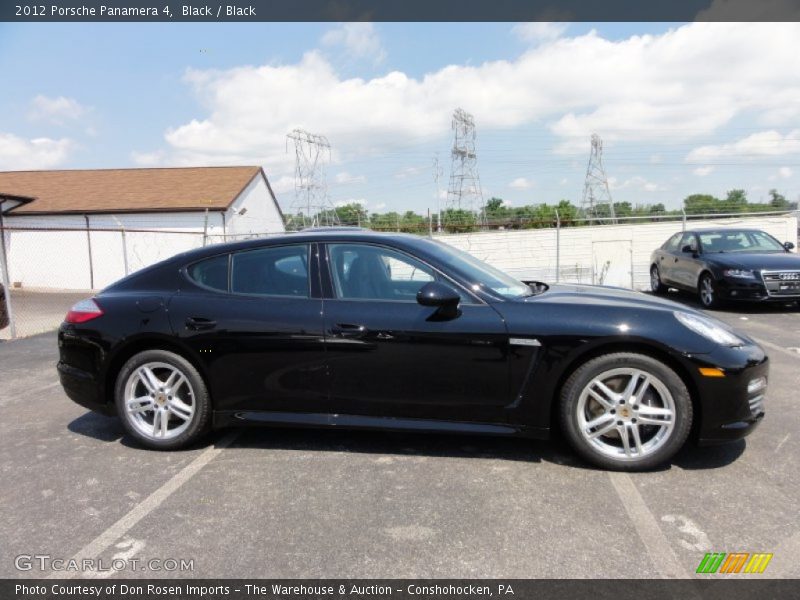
column 83, row 311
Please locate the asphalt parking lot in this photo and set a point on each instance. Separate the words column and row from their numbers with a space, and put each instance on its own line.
column 302, row 503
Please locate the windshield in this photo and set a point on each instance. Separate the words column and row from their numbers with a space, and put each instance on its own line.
column 739, row 241
column 479, row 274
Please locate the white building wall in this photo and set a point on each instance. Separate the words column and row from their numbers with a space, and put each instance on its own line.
column 254, row 212
column 584, row 251
column 49, row 257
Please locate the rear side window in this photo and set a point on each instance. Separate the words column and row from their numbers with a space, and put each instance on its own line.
column 277, row 271
column 211, row 272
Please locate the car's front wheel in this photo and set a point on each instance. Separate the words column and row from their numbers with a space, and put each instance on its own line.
column 625, row 411
column 162, row 400
column 707, row 291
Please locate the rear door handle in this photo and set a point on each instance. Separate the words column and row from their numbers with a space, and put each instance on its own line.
column 349, row 330
column 200, row 323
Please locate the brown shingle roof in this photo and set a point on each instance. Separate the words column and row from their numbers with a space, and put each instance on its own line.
column 126, row 190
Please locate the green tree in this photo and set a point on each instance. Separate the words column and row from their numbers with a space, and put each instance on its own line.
column 778, row 201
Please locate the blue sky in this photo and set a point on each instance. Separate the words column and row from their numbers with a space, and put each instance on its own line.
column 681, row 108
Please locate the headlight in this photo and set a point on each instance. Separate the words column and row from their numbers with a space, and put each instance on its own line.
column 739, row 273
column 708, row 329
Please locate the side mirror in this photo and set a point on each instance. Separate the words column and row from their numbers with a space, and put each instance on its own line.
column 438, row 294
column 687, row 249
column 789, row 246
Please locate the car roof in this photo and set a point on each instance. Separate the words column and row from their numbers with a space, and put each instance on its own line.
column 723, row 230
column 305, row 236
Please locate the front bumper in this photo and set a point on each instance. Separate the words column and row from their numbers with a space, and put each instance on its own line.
column 755, row 290
column 730, row 408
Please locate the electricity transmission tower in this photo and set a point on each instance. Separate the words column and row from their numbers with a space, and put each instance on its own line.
column 311, row 206
column 597, row 204
column 464, row 191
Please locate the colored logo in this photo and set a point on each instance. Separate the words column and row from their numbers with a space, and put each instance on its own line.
column 735, row 562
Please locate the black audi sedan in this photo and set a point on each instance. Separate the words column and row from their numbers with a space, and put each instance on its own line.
column 727, row 264
column 359, row 330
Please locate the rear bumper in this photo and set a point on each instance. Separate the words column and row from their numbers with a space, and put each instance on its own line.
column 82, row 389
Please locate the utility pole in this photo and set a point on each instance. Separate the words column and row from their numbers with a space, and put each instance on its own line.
column 595, row 190
column 437, row 173
column 464, row 191
column 311, row 206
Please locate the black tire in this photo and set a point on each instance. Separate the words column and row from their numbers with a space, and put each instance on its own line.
column 200, row 421
column 655, row 281
column 709, row 297
column 673, row 440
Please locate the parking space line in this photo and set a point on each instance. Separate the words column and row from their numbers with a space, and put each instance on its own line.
column 103, row 541
column 654, row 540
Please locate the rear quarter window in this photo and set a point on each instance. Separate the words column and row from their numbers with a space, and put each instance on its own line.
column 211, row 273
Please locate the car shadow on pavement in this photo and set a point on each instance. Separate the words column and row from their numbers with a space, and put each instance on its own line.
column 554, row 451
column 98, row 427
column 693, row 458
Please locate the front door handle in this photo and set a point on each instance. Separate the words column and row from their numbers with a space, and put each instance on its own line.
column 349, row 330
column 200, row 323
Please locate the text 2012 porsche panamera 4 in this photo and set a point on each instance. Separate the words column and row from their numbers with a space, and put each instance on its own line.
column 364, row 330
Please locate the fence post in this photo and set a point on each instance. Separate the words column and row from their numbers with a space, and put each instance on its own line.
column 6, row 283
column 205, row 229
column 124, row 251
column 430, row 224
column 558, row 246
column 683, row 212
column 89, row 245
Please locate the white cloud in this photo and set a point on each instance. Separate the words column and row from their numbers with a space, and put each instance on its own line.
column 785, row 172
column 345, row 178
column 539, row 31
column 756, row 145
column 17, row 153
column 359, row 40
column 282, row 184
column 147, row 159
column 637, row 183
column 703, row 171
column 411, row 172
column 521, row 183
column 652, row 88
column 55, row 110
column 361, row 201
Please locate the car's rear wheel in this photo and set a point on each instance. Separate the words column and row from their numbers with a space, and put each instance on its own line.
column 707, row 291
column 625, row 411
column 162, row 400
column 655, row 281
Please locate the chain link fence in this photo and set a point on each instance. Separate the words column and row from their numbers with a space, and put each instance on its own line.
column 44, row 271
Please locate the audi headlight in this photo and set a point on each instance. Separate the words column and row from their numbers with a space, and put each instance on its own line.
column 739, row 273
column 709, row 329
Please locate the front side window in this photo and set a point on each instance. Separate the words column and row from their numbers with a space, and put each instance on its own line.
column 211, row 272
column 366, row 272
column 672, row 244
column 273, row 271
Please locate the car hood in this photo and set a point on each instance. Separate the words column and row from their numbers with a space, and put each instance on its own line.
column 770, row 262
column 605, row 296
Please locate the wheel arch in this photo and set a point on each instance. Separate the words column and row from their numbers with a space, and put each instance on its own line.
column 637, row 347
column 141, row 344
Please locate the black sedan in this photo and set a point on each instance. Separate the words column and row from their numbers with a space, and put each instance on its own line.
column 362, row 330
column 4, row 320
column 727, row 264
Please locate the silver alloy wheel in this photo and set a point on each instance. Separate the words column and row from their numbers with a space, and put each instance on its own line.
column 655, row 282
column 626, row 413
column 159, row 400
column 706, row 291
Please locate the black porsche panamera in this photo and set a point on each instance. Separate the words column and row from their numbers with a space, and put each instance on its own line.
column 722, row 265
column 363, row 330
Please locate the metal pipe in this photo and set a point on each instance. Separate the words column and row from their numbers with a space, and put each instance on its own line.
column 89, row 245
